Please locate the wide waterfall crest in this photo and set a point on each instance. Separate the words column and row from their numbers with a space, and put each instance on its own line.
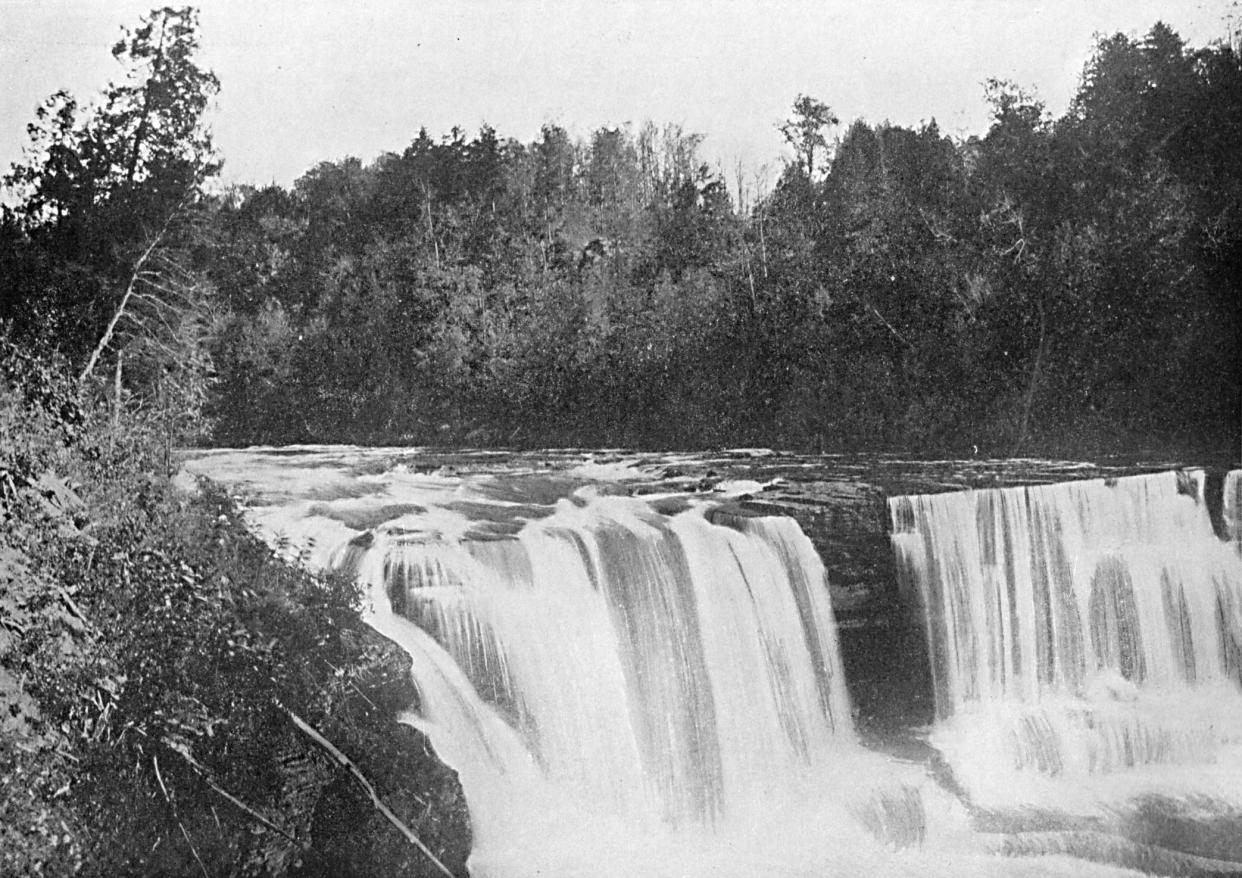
column 1078, row 630
column 633, row 675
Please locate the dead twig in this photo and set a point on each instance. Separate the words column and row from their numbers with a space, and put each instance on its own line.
column 205, row 774
column 75, row 609
column 352, row 684
column 167, row 798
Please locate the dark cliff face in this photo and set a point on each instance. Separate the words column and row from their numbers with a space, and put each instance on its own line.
column 881, row 634
column 848, row 523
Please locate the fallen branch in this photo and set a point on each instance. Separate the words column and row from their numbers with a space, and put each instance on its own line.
column 901, row 338
column 368, row 786
column 75, row 609
column 193, row 850
column 167, row 798
column 205, row 774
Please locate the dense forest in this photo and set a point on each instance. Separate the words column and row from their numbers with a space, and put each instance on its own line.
column 1054, row 285
column 1064, row 284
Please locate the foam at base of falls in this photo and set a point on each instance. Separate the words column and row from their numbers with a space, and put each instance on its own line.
column 1084, row 757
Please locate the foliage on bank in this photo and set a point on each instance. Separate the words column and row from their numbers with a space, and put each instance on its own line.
column 152, row 656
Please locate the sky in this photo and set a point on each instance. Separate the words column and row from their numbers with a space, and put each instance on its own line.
column 313, row 80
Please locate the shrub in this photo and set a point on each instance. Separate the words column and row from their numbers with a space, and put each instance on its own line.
column 151, row 653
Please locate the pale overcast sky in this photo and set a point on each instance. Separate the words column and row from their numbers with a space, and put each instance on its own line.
column 314, row 80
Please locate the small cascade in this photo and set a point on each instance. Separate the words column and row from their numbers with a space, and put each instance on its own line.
column 618, row 670
column 1088, row 631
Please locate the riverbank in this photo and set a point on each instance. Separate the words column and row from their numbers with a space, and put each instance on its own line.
column 160, row 668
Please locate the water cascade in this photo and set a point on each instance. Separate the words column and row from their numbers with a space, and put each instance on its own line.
column 652, row 685
column 1085, row 638
column 619, row 670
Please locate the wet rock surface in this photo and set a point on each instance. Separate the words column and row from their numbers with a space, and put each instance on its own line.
column 347, row 833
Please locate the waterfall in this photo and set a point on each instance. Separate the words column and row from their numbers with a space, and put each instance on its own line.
column 652, row 685
column 1087, row 632
column 619, row 670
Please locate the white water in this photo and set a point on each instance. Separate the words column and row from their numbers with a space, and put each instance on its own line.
column 622, row 692
column 1084, row 639
column 647, row 678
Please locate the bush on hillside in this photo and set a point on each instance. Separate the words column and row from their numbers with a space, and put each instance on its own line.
column 151, row 654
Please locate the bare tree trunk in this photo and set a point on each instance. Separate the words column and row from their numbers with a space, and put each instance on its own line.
column 763, row 246
column 106, row 338
column 168, row 437
column 431, row 229
column 750, row 276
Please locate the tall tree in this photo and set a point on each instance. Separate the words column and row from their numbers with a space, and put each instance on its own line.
column 805, row 132
column 140, row 151
column 106, row 199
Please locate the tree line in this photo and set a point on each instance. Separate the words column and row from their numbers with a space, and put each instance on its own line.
column 1055, row 284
